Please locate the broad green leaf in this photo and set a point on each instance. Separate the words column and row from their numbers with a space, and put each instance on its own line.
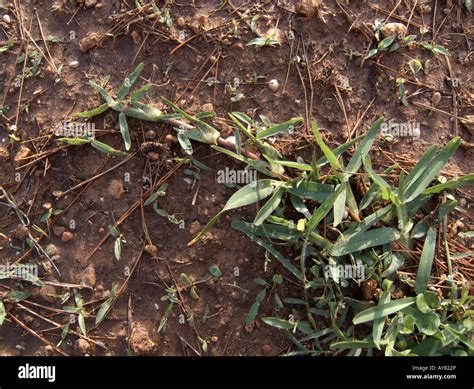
column 140, row 93
column 282, row 128
column 416, row 187
column 379, row 323
column 364, row 240
column 279, row 323
column 385, row 43
column 323, row 209
column 383, row 310
column 129, row 81
column 426, row 261
column 452, row 184
column 106, row 148
column 312, row 191
column 269, row 206
column 364, row 147
column 352, row 344
column 104, row 308
column 74, row 141
column 3, row 312
column 94, row 112
column 124, row 131
column 333, row 161
column 252, row 313
column 339, row 206
column 427, row 323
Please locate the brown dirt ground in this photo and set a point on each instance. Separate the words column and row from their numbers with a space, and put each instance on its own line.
column 323, row 48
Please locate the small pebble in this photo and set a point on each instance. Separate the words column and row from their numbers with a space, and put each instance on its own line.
column 74, row 64
column 208, row 107
column 435, row 99
column 181, row 22
column 152, row 250
column 267, row 349
column 136, row 37
column 51, row 250
column 6, row 19
column 67, row 236
column 273, row 85
column 150, row 135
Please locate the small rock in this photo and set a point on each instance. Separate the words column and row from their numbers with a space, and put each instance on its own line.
column 463, row 202
column 82, row 347
column 136, row 37
column 140, row 340
column 115, row 189
column 150, row 135
column 195, row 227
column 48, row 293
column 48, row 350
column 469, row 126
column 435, row 99
column 202, row 19
column 235, row 295
column 20, row 157
column 6, row 19
column 90, row 3
column 208, row 107
column 58, row 230
column 152, row 250
column 47, row 206
column 56, row 259
column 89, row 41
column 238, row 46
column 195, row 27
column 306, row 8
column 4, row 152
column 181, row 22
column 88, row 277
column 21, row 232
column 273, row 85
column 368, row 289
column 74, row 64
column 170, row 138
column 214, row 338
column 267, row 349
column 51, row 250
column 99, row 6
column 393, row 29
column 67, row 236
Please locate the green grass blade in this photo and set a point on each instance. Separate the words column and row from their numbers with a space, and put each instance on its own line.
column 282, row 128
column 124, row 131
column 106, row 148
column 323, row 209
column 333, row 161
column 364, row 240
column 426, row 261
column 129, row 81
column 436, row 164
column 364, row 147
column 383, row 310
column 269, row 207
column 93, row 112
